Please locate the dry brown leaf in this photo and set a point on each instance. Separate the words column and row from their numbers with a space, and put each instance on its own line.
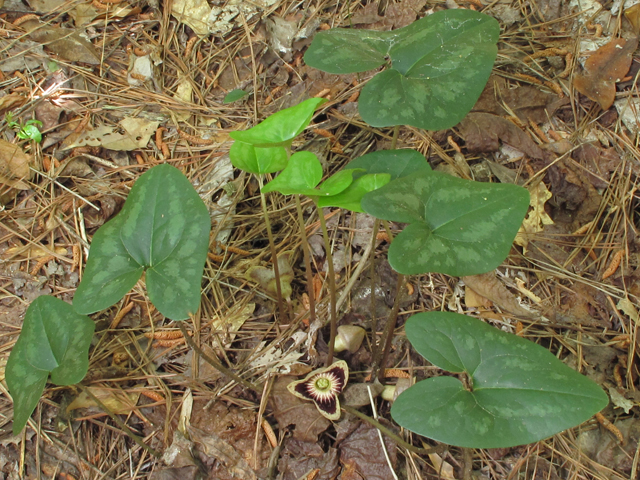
column 488, row 285
column 266, row 277
column 606, row 66
column 537, row 217
column 138, row 131
column 290, row 410
column 65, row 42
column 11, row 101
column 482, row 132
column 116, row 400
column 633, row 15
column 14, row 167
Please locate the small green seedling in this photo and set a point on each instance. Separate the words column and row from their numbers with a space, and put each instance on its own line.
column 163, row 230
column 54, row 341
column 439, row 67
column 456, row 226
column 515, row 392
column 235, row 95
column 264, row 148
column 27, row 131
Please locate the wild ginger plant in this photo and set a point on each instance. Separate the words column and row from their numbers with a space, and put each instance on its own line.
column 515, row 392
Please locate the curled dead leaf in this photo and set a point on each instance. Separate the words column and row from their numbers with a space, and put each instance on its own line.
column 488, row 285
column 606, row 66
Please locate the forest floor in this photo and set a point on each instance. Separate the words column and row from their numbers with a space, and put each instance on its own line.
column 571, row 284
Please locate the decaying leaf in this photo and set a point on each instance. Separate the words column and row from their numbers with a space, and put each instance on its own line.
column 11, row 101
column 482, row 132
column 184, row 92
column 267, row 278
column 65, row 42
column 193, row 13
column 488, row 285
column 141, row 71
column 116, row 400
column 290, row 410
column 14, row 168
column 537, row 217
column 138, row 131
column 362, row 447
column 606, row 66
column 227, row 325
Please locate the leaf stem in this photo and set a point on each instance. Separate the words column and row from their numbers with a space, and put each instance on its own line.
column 332, row 286
column 120, row 423
column 274, row 256
column 396, row 438
column 214, row 363
column 307, row 261
column 387, row 336
column 394, row 139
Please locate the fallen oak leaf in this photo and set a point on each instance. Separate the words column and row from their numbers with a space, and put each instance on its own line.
column 603, row 69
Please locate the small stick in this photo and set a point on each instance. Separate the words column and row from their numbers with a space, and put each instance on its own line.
column 332, row 286
column 120, row 315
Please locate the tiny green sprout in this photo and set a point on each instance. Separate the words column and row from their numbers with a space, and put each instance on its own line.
column 27, row 131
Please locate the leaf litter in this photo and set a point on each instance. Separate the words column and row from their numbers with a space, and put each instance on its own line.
column 578, row 161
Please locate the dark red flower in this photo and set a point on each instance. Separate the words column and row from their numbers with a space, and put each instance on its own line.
column 323, row 387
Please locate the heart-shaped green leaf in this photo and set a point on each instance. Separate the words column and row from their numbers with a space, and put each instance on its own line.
column 301, row 175
column 397, row 163
column 350, row 198
column 440, row 65
column 257, row 160
column 54, row 340
column 347, row 51
column 519, row 392
column 163, row 228
column 458, row 227
column 282, row 127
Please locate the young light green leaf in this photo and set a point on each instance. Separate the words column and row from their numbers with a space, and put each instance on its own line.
column 235, row 95
column 397, row 163
column 519, row 392
column 457, row 227
column 54, row 340
column 282, row 127
column 163, row 228
column 336, row 183
column 347, row 51
column 350, row 198
column 257, row 160
column 301, row 175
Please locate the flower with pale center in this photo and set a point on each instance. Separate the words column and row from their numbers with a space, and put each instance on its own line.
column 323, row 386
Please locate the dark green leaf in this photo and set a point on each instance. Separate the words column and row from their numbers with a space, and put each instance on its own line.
column 397, row 163
column 257, row 160
column 347, row 51
column 301, row 176
column 54, row 339
column 458, row 227
column 282, row 127
column 441, row 64
column 350, row 198
column 520, row 393
column 234, row 95
column 163, row 228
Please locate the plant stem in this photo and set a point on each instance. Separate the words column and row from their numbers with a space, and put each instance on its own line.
column 307, row 262
column 332, row 286
column 274, row 256
column 120, row 423
column 214, row 363
column 387, row 336
column 467, row 468
column 390, row 434
column 394, row 139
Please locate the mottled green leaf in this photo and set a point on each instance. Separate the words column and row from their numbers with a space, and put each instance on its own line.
column 397, row 163
column 347, row 51
column 458, row 227
column 282, row 127
column 301, row 175
column 235, row 95
column 163, row 228
column 438, row 72
column 257, row 160
column 439, row 66
column 54, row 340
column 351, row 197
column 519, row 392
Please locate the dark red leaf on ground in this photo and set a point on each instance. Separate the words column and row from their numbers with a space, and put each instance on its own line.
column 300, row 458
column 606, row 66
column 362, row 451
